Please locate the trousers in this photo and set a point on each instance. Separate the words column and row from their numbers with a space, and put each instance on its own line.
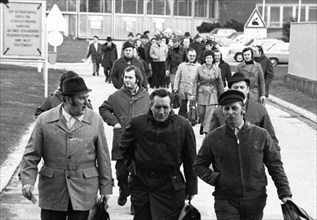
column 239, row 209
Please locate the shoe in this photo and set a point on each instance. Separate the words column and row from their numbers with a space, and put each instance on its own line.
column 122, row 200
column 97, row 74
column 132, row 210
column 93, row 74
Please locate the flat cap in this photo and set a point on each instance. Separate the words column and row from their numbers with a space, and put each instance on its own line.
column 126, row 45
column 238, row 77
column 231, row 96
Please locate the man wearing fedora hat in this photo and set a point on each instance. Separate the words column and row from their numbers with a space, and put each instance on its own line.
column 70, row 139
column 238, row 152
column 110, row 54
column 255, row 113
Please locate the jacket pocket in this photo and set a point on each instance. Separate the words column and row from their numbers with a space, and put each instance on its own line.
column 90, row 172
column 47, row 172
column 178, row 182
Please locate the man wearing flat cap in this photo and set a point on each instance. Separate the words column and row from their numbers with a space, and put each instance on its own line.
column 175, row 56
column 238, row 152
column 110, row 54
column 70, row 139
column 255, row 113
column 126, row 60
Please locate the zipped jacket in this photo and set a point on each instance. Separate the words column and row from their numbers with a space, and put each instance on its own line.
column 239, row 163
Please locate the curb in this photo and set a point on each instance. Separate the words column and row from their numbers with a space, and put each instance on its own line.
column 303, row 112
column 10, row 165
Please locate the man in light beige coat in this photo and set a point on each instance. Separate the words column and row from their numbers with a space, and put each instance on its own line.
column 70, row 139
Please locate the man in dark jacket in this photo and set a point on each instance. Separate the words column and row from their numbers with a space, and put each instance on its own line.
column 154, row 147
column 57, row 97
column 225, row 67
column 238, row 152
column 175, row 56
column 94, row 51
column 110, row 54
column 255, row 113
column 197, row 45
column 267, row 67
column 129, row 101
column 120, row 64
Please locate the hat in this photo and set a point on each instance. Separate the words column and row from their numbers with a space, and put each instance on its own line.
column 187, row 34
column 175, row 39
column 130, row 34
column 126, row 45
column 158, row 37
column 238, row 77
column 109, row 39
column 75, row 85
column 146, row 32
column 231, row 96
column 144, row 36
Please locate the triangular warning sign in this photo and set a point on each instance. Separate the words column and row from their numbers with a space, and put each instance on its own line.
column 255, row 20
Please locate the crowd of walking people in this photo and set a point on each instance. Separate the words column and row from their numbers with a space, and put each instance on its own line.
column 151, row 140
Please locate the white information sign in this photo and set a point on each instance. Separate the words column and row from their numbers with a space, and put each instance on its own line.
column 23, row 28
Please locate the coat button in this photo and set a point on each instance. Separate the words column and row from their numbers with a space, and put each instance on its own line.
column 68, row 177
column 69, row 157
column 70, row 136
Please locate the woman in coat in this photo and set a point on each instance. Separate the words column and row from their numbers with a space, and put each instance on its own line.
column 207, row 86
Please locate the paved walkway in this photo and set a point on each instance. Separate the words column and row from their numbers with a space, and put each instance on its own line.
column 297, row 140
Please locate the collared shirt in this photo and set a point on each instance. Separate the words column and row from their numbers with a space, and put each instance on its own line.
column 70, row 120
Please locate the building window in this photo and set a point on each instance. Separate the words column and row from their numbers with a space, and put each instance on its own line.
column 96, row 6
column 63, row 5
column 201, row 8
column 312, row 13
column 287, row 13
column 182, row 8
column 212, row 7
column 302, row 13
column 129, row 6
column 159, row 7
column 275, row 16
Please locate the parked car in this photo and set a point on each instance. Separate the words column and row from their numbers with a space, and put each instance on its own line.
column 232, row 38
column 236, row 49
column 219, row 33
column 278, row 53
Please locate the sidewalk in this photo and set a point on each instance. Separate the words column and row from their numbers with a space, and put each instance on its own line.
column 297, row 140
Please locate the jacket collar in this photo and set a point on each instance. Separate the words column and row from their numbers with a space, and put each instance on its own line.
column 170, row 118
column 57, row 116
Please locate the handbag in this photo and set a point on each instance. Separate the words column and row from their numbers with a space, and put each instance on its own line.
column 192, row 115
column 99, row 212
column 291, row 211
column 189, row 212
column 176, row 100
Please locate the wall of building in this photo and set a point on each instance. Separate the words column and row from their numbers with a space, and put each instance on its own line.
column 302, row 67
